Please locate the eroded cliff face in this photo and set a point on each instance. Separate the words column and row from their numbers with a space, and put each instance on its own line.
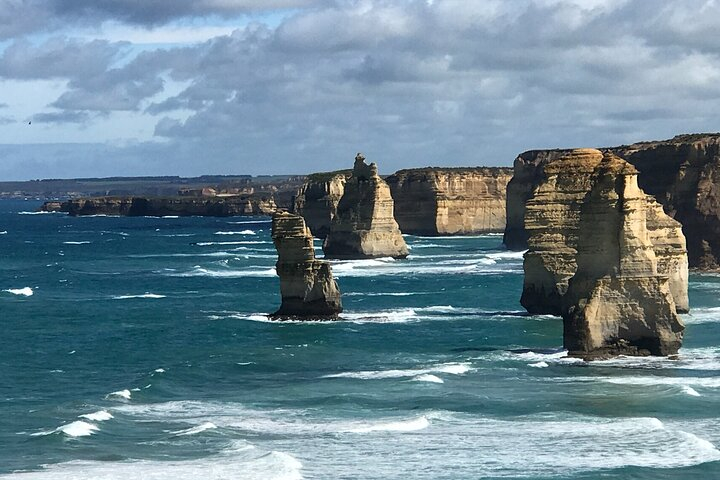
column 166, row 206
column 450, row 201
column 318, row 198
column 682, row 173
column 307, row 286
column 554, row 222
column 617, row 301
column 363, row 226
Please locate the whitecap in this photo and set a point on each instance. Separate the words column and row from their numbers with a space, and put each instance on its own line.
column 120, row 394
column 449, row 368
column 26, row 291
column 242, row 232
column 77, row 428
column 411, row 425
column 427, row 377
column 196, row 429
column 99, row 416
column 144, row 295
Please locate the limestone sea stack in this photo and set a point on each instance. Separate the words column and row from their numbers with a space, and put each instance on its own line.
column 364, row 226
column 318, row 198
column 552, row 223
column 450, row 201
column 617, row 301
column 307, row 286
column 682, row 173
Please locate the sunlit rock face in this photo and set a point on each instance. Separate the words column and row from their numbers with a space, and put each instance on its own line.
column 450, row 201
column 364, row 226
column 307, row 286
column 683, row 174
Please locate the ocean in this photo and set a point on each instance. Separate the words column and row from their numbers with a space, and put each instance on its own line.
column 139, row 348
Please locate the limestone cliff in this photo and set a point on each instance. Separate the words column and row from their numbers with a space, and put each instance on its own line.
column 617, row 302
column 450, row 201
column 553, row 225
column 166, row 206
column 318, row 198
column 307, row 286
column 683, row 174
column 364, row 226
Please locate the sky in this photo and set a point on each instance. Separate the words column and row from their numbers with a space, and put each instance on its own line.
column 193, row 87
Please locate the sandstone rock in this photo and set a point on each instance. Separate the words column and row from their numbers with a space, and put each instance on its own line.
column 364, row 226
column 450, row 201
column 306, row 284
column 168, row 206
column 318, row 198
column 683, row 174
column 553, row 224
column 617, row 302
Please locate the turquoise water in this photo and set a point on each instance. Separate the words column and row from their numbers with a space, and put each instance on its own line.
column 137, row 348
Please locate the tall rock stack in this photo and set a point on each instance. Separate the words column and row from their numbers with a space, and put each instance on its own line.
column 317, row 200
column 450, row 201
column 617, row 302
column 307, row 285
column 364, row 226
column 552, row 226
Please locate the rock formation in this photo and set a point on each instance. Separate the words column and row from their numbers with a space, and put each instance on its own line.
column 617, row 302
column 166, row 206
column 553, row 226
column 450, row 201
column 307, row 286
column 318, row 198
column 364, row 226
column 683, row 174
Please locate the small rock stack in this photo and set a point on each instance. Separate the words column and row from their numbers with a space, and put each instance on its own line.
column 307, row 285
column 364, row 226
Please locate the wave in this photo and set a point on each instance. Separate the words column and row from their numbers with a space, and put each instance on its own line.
column 411, row 425
column 198, row 271
column 77, row 428
column 196, row 429
column 241, row 242
column 119, row 395
column 242, row 232
column 26, row 291
column 99, row 416
column 449, row 368
column 243, row 461
column 144, row 295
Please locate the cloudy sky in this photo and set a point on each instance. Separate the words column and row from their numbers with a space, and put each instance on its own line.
column 190, row 87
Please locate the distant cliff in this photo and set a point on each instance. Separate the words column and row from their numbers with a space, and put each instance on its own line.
column 450, row 201
column 318, row 198
column 166, row 206
column 682, row 173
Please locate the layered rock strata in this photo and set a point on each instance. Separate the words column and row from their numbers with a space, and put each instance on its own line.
column 682, row 173
column 364, row 226
column 166, row 206
column 553, row 225
column 307, row 286
column 318, row 198
column 450, row 201
column 617, row 302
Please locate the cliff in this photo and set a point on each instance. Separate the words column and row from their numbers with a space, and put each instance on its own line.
column 363, row 226
column 307, row 286
column 682, row 173
column 450, row 201
column 617, row 302
column 166, row 206
column 318, row 198
column 554, row 223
